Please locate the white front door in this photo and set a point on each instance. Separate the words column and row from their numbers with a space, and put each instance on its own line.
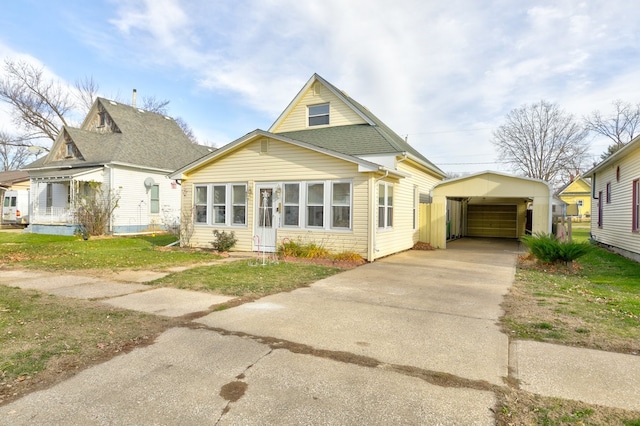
column 267, row 218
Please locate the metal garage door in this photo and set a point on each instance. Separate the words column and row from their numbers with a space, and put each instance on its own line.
column 492, row 220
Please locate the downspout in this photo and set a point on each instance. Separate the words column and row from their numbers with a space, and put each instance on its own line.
column 372, row 216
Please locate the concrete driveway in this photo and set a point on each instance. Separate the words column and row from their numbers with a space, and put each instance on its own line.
column 410, row 339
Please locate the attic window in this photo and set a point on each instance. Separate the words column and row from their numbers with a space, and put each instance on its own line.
column 69, row 150
column 103, row 119
column 318, row 115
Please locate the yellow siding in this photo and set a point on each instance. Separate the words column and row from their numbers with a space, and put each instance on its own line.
column 616, row 227
column 339, row 113
column 403, row 235
column 282, row 163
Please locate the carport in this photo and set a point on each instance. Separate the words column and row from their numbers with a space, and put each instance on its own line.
column 489, row 204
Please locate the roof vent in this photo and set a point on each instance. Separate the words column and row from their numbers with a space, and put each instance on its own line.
column 264, row 146
column 113, row 103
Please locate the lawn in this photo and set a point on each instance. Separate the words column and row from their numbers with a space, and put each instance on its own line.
column 247, row 278
column 53, row 252
column 45, row 338
column 593, row 304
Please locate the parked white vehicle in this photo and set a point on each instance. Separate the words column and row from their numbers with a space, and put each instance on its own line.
column 15, row 207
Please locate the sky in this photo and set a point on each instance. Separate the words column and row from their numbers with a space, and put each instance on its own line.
column 443, row 74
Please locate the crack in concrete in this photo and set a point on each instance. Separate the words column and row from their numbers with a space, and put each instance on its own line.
column 236, row 389
column 433, row 377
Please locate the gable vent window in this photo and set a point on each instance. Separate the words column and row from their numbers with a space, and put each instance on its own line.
column 318, row 115
column 264, row 146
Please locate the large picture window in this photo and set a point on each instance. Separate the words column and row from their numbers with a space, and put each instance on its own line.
column 385, row 205
column 221, row 204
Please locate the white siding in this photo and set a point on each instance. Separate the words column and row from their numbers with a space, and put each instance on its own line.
column 282, row 163
column 135, row 199
column 616, row 227
column 339, row 113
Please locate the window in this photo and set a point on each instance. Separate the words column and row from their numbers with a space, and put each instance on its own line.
column 49, row 195
column 635, row 205
column 201, row 204
column 219, row 204
column 580, row 203
column 155, row 199
column 69, row 150
column 318, row 115
column 223, row 198
column 385, row 205
column 341, row 205
column 315, row 204
column 608, row 188
column 239, row 204
column 291, row 204
column 600, row 209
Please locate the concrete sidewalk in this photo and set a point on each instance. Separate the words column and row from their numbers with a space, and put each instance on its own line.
column 352, row 347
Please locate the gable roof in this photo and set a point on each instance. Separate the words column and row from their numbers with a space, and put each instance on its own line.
column 11, row 177
column 364, row 165
column 143, row 138
column 573, row 186
column 371, row 138
column 629, row 148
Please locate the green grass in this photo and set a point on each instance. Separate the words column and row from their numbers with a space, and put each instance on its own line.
column 52, row 252
column 596, row 304
column 247, row 278
column 42, row 336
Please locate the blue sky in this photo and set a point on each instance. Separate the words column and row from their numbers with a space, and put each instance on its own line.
column 444, row 74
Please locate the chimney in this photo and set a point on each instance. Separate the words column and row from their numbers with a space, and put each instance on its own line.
column 133, row 101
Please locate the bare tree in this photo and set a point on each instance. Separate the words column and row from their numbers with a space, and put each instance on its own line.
column 39, row 105
column 13, row 154
column 86, row 93
column 542, row 141
column 620, row 126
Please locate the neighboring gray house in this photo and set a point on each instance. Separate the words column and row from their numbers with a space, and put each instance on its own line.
column 128, row 151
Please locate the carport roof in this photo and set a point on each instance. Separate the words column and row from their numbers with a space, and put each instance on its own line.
column 492, row 184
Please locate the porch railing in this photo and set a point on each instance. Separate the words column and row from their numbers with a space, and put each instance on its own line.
column 50, row 215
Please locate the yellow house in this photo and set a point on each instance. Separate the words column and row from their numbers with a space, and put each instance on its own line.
column 327, row 171
column 577, row 195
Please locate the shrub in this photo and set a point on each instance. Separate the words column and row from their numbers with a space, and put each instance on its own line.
column 547, row 248
column 223, row 241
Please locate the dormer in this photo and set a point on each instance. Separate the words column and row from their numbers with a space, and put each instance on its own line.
column 99, row 120
column 67, row 149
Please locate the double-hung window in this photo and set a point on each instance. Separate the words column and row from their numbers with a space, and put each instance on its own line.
column 239, row 204
column 341, row 205
column 221, row 204
column 291, row 204
column 385, row 205
column 201, row 204
column 154, row 205
column 318, row 115
column 315, row 205
column 635, row 205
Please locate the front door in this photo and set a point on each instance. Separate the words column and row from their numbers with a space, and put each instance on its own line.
column 267, row 218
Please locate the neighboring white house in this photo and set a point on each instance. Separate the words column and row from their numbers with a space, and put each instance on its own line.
column 126, row 151
column 615, row 215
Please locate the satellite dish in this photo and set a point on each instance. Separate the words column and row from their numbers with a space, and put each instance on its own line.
column 149, row 182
